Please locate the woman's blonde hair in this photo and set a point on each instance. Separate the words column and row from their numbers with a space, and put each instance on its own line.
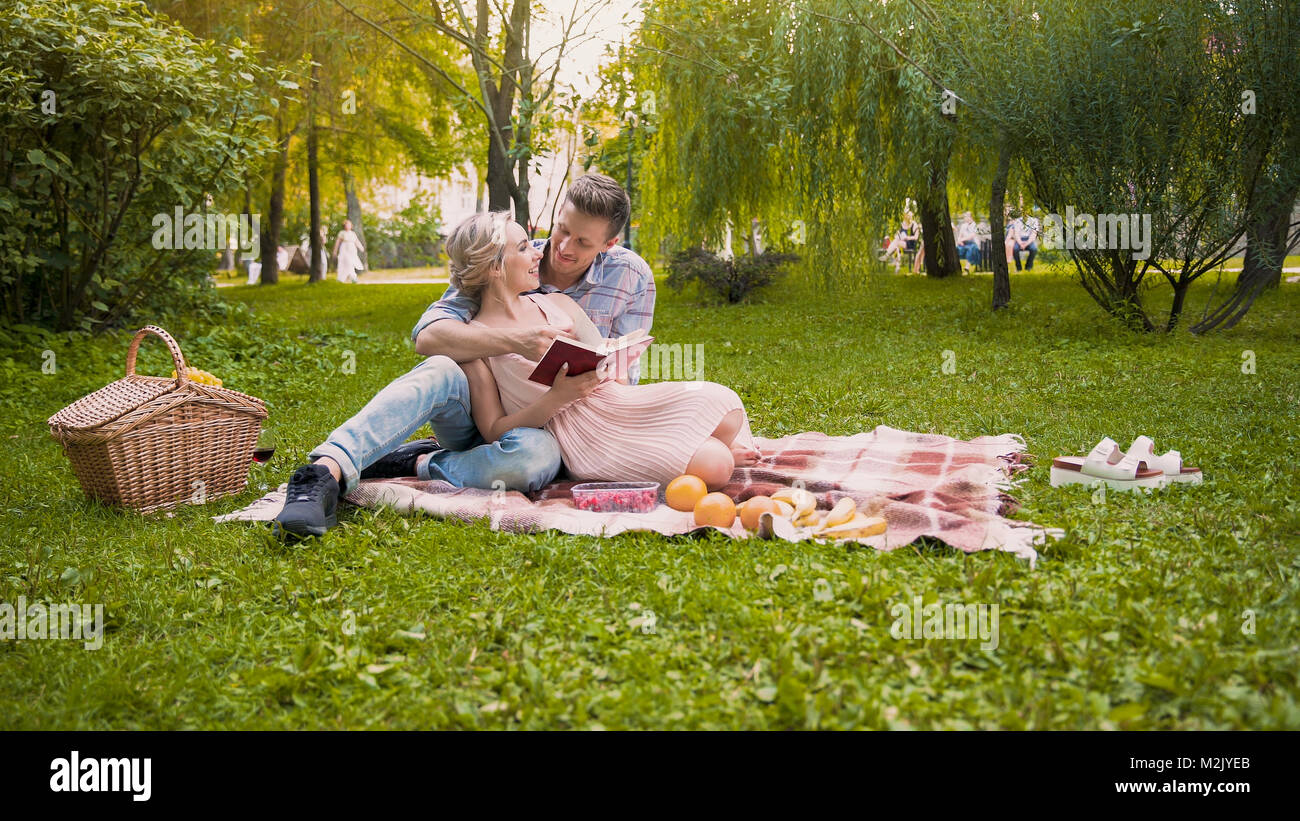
column 476, row 245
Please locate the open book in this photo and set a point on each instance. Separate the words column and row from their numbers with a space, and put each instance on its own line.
column 615, row 354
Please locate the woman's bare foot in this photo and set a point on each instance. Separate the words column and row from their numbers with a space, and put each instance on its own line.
column 745, row 455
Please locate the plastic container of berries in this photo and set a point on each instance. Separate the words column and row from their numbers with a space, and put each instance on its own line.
column 616, row 497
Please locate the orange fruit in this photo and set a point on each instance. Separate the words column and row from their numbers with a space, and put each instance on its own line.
column 755, row 507
column 715, row 509
column 683, row 492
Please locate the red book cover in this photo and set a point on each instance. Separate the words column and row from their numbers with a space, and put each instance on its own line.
column 582, row 357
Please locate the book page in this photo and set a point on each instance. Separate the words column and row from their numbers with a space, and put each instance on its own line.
column 623, row 341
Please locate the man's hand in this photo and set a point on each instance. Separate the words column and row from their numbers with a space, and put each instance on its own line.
column 568, row 389
column 532, row 343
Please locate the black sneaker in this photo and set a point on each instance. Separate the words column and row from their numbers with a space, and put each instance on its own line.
column 311, row 503
column 401, row 462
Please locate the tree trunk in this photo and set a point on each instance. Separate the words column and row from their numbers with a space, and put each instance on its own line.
column 1267, row 244
column 936, row 228
column 1111, row 280
column 274, row 216
column 499, row 96
column 354, row 212
column 523, row 86
column 997, row 228
column 498, row 178
column 241, row 254
column 1176, row 310
column 523, row 208
column 315, row 269
column 1266, row 248
column 631, row 144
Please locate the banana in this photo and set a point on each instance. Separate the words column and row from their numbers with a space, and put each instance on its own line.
column 859, row 527
column 800, row 500
column 790, row 494
column 200, row 376
column 785, row 494
column 841, row 513
column 786, row 509
column 804, row 502
column 809, row 517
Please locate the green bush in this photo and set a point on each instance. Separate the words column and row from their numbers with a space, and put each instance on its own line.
column 408, row 239
column 731, row 279
column 110, row 116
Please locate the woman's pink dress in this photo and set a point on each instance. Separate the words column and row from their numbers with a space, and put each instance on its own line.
column 621, row 433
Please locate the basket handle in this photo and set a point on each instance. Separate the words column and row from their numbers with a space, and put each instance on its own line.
column 177, row 358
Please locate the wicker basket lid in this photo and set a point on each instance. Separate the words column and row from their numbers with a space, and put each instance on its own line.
column 134, row 391
column 112, row 401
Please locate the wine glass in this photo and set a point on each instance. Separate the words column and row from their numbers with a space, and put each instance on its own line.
column 262, row 453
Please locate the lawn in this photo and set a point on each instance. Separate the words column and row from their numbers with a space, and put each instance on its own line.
column 1175, row 610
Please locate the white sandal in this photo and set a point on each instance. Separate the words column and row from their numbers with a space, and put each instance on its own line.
column 1107, row 465
column 1171, row 463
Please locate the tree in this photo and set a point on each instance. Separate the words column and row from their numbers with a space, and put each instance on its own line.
column 618, row 122
column 1264, row 45
column 515, row 89
column 834, row 111
column 721, row 88
column 992, row 88
column 364, row 115
column 805, row 115
column 998, row 229
column 1134, row 118
column 316, row 271
column 113, row 120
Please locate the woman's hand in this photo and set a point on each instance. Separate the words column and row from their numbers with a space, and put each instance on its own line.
column 533, row 342
column 568, row 389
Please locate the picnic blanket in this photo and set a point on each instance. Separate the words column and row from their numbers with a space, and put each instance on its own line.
column 922, row 484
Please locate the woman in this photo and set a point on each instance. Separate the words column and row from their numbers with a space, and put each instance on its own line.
column 348, row 249
column 904, row 240
column 607, row 429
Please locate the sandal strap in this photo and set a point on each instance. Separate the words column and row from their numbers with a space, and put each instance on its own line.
column 1143, row 450
column 1107, row 450
column 1171, row 463
column 1107, row 461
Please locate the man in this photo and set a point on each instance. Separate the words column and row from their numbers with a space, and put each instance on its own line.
column 1022, row 235
column 968, row 248
column 582, row 258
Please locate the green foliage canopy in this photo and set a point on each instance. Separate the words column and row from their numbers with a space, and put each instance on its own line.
column 108, row 117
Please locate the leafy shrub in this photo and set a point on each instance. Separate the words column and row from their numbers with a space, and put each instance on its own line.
column 110, row 116
column 408, row 239
column 732, row 279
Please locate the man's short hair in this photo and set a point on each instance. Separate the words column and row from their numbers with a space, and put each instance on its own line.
column 599, row 196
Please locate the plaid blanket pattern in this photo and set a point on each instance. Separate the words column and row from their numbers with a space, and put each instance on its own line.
column 924, row 485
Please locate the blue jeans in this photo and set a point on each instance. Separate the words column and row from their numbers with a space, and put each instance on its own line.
column 436, row 391
column 1031, row 247
column 970, row 251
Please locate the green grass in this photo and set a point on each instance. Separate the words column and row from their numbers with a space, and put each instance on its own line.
column 1133, row 620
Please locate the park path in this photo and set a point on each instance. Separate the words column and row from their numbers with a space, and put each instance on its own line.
column 365, row 281
column 407, row 277
column 399, row 276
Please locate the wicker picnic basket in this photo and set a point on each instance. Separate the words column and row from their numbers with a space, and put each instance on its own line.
column 150, row 443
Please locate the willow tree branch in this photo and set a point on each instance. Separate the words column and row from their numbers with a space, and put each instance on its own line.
column 882, row 38
column 434, row 67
